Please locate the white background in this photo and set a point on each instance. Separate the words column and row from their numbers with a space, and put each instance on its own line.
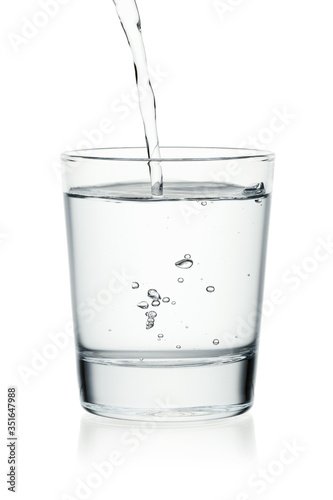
column 224, row 70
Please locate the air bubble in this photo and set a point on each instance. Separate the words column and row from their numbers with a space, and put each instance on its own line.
column 135, row 285
column 143, row 305
column 184, row 263
column 166, row 299
column 155, row 303
column 160, row 335
column 249, row 274
column 187, row 256
column 216, row 341
column 258, row 201
column 180, row 280
column 173, row 302
column 152, row 314
column 204, row 203
column 178, row 346
column 210, row 289
column 150, row 321
column 149, row 326
column 153, row 294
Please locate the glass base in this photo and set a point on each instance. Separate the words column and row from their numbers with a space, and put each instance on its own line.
column 168, row 393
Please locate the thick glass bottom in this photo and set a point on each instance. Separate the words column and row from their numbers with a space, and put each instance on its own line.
column 168, row 393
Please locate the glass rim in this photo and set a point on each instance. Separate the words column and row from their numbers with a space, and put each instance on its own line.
column 234, row 154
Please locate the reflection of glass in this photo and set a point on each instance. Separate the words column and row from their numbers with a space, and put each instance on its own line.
column 173, row 455
column 167, row 290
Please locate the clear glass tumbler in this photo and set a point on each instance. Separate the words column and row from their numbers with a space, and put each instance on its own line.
column 167, row 291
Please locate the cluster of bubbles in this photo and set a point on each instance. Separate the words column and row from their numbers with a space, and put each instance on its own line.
column 155, row 297
column 155, row 302
column 151, row 315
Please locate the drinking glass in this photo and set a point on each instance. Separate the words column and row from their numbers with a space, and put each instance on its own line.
column 167, row 290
